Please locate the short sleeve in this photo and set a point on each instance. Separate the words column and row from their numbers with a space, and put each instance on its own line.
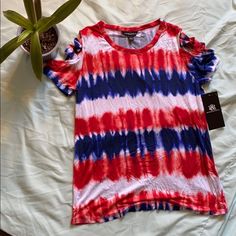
column 202, row 62
column 64, row 73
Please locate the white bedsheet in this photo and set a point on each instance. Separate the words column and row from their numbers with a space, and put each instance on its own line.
column 37, row 125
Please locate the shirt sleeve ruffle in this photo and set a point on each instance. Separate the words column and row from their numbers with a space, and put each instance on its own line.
column 64, row 73
column 202, row 62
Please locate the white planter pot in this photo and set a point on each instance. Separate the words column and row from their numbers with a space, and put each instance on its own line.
column 49, row 55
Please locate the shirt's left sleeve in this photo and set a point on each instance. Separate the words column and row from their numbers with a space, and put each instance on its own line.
column 202, row 61
column 64, row 73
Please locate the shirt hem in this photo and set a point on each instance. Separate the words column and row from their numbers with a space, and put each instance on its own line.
column 153, row 205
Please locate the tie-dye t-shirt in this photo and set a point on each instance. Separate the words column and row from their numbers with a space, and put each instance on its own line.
column 141, row 137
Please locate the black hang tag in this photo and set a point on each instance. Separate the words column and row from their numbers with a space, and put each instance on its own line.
column 213, row 110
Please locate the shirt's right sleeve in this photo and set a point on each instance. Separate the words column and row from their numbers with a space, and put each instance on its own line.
column 64, row 73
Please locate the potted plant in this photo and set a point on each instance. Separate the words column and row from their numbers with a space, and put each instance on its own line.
column 37, row 35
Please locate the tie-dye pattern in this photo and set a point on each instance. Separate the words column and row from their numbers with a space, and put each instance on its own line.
column 141, row 137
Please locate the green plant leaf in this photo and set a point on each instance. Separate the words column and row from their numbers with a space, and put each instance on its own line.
column 24, row 34
column 36, row 55
column 65, row 10
column 60, row 14
column 44, row 24
column 10, row 46
column 38, row 9
column 18, row 19
column 30, row 10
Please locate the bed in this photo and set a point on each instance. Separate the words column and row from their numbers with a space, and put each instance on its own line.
column 37, row 125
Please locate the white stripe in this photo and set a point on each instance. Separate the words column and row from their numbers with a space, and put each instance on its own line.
column 166, row 42
column 162, row 183
column 92, row 45
column 98, row 107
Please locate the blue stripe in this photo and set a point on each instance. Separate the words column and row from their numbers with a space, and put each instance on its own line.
column 133, row 84
column 161, row 205
column 168, row 139
column 148, row 207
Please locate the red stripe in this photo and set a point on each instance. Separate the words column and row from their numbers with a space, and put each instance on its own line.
column 127, row 58
column 94, row 211
column 171, row 60
column 160, row 60
column 152, row 56
column 107, row 60
column 97, row 69
column 88, row 58
column 145, row 60
column 114, row 56
column 147, row 118
column 93, row 124
column 188, row 164
column 131, row 120
column 67, row 74
column 103, row 62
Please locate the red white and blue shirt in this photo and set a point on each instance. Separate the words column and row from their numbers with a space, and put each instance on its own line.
column 141, row 137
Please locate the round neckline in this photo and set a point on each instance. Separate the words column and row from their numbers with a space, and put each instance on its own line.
column 103, row 25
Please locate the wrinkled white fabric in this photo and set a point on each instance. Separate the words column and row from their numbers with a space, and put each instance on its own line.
column 37, row 125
